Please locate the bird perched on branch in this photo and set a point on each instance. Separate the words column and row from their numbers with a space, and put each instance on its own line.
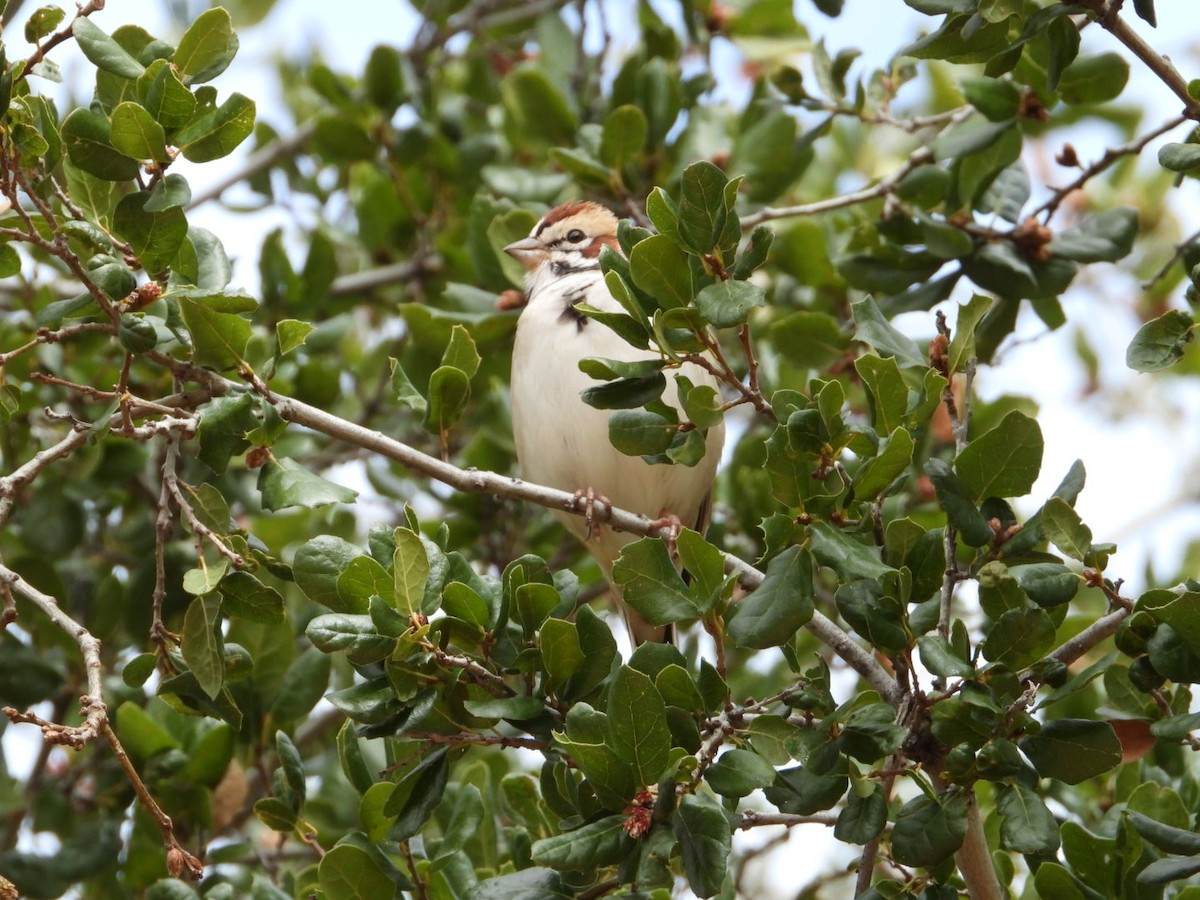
column 561, row 441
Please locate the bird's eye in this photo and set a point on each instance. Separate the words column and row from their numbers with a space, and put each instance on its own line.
column 575, row 235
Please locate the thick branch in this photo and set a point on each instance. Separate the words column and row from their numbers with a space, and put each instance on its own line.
column 92, row 703
column 1107, row 15
column 12, row 483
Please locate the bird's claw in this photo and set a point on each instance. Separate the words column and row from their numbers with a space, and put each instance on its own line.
column 596, row 509
column 674, row 526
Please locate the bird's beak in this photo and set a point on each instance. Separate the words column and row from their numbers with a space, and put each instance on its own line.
column 529, row 252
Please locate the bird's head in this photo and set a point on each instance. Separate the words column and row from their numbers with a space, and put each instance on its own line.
column 571, row 235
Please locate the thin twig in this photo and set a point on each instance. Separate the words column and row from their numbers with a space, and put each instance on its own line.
column 1111, row 156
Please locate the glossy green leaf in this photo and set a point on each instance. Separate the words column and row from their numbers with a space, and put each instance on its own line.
column 1062, row 525
column 638, row 731
column 284, row 482
column 135, row 133
column 87, row 137
column 207, row 48
column 778, row 607
column 104, row 52
column 728, row 303
column 600, row 843
column 217, row 133
column 704, row 839
column 1073, row 750
column 1003, row 462
column 929, row 830
column 201, row 643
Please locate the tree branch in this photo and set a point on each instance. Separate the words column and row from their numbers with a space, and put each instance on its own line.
column 1108, row 17
column 258, row 161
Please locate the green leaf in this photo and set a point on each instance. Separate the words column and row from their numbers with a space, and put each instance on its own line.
column 638, row 731
column 601, row 843
column 863, row 818
column 625, row 130
column 660, row 268
column 245, row 597
column 449, row 392
column 1047, row 584
column 42, row 22
column 104, row 52
column 213, row 135
column 1094, row 79
column 640, row 432
column 285, row 483
column 1003, row 462
column 291, row 334
column 1073, row 750
column 384, row 78
column 962, row 344
column 135, row 133
column 1165, row 837
column 893, row 460
column 779, row 607
column 997, row 99
column 953, row 499
column 418, row 794
column 888, row 392
column 702, row 210
column 1062, row 525
column 410, row 563
column 1019, row 637
column 165, row 97
column 1179, row 157
column 87, row 137
column 704, row 836
column 929, row 830
column 202, row 645
column 1159, row 344
column 873, row 329
column 939, row 657
column 219, row 334
column 651, row 584
column 143, row 737
column 1026, row 825
column 1178, row 609
column 728, row 303
column 347, row 872
column 154, row 236
column 1105, row 237
column 814, row 340
column 302, row 686
column 850, row 558
column 534, row 883
column 737, row 773
column 173, row 191
column 224, row 422
column 208, row 46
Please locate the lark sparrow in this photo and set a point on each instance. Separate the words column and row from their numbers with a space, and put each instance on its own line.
column 561, row 441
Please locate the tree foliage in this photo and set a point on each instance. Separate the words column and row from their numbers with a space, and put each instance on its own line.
column 293, row 688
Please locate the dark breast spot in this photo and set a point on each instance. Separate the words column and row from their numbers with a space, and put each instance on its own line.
column 570, row 314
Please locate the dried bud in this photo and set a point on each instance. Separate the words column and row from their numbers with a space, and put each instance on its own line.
column 1032, row 240
column 176, row 862
column 938, row 347
column 257, row 458
column 1067, row 157
column 1032, row 107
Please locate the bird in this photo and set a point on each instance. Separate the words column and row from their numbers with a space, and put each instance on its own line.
column 563, row 443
